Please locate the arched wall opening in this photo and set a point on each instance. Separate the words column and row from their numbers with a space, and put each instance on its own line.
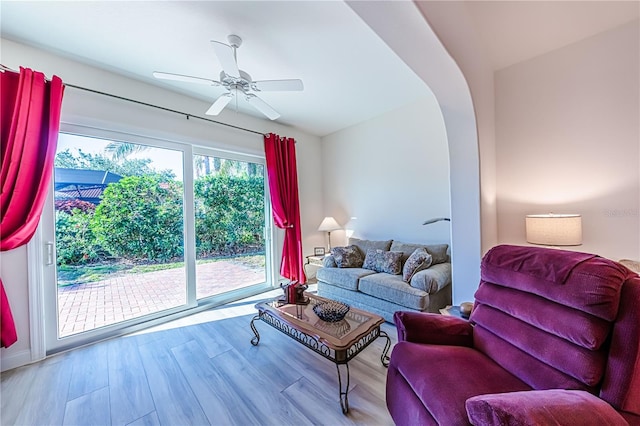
column 402, row 26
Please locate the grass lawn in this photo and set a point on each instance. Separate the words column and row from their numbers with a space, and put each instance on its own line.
column 70, row 275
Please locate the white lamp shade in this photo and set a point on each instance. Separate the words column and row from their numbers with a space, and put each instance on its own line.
column 554, row 229
column 328, row 224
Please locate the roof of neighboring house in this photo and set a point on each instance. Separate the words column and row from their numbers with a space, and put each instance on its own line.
column 65, row 177
column 82, row 184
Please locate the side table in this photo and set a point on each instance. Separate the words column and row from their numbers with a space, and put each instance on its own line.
column 315, row 261
column 453, row 311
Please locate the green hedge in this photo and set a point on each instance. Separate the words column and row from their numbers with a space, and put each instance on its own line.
column 140, row 219
column 229, row 214
column 75, row 241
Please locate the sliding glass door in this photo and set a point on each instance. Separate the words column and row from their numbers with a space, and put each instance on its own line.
column 141, row 231
column 230, row 211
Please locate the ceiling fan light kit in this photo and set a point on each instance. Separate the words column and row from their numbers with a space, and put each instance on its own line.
column 236, row 81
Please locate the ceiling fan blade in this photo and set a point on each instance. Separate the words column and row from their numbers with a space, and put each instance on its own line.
column 282, row 85
column 219, row 104
column 185, row 78
column 227, row 59
column 262, row 106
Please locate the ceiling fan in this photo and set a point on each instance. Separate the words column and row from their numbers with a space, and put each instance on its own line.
column 235, row 81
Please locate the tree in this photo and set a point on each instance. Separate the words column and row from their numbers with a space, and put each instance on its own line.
column 122, row 150
column 126, row 167
column 140, row 218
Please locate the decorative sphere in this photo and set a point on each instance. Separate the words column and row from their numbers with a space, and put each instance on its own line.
column 466, row 307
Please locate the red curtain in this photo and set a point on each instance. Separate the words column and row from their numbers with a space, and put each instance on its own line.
column 280, row 154
column 29, row 123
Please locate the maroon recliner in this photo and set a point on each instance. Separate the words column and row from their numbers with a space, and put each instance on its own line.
column 553, row 339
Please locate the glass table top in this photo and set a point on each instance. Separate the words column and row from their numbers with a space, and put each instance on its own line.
column 336, row 334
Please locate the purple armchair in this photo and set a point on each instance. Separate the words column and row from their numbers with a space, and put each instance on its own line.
column 553, row 339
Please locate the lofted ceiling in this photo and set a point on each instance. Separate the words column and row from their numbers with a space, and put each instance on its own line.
column 349, row 74
column 514, row 31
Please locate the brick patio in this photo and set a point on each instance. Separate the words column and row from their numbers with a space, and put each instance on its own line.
column 84, row 307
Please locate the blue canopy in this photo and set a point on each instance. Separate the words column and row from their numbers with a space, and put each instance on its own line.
column 82, row 184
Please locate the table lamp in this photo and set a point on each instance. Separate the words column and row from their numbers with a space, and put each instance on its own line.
column 554, row 229
column 328, row 224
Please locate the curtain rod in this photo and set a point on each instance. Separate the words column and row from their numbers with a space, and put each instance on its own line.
column 5, row 68
column 163, row 108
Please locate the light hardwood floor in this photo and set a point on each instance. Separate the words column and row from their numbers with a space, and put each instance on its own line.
column 199, row 370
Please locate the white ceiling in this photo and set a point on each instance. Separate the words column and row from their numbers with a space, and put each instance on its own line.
column 349, row 74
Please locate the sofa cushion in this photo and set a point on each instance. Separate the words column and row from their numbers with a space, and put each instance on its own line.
column 547, row 407
column 366, row 245
column 383, row 261
column 526, row 367
column 432, row 279
column 454, row 370
column 575, row 326
column 347, row 257
column 420, row 259
column 582, row 364
column 391, row 287
column 578, row 280
column 346, row 278
column 437, row 251
column 573, row 288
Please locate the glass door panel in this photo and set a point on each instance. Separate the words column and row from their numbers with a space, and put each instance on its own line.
column 230, row 210
column 119, row 232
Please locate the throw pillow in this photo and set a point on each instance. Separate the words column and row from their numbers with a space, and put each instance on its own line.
column 544, row 407
column 438, row 252
column 420, row 259
column 347, row 257
column 366, row 245
column 383, row 261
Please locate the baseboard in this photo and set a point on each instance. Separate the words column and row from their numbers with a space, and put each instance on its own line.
column 20, row 358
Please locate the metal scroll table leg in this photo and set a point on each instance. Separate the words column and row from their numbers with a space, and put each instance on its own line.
column 344, row 397
column 256, row 339
column 384, row 358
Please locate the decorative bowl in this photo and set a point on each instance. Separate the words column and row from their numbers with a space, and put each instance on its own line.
column 331, row 311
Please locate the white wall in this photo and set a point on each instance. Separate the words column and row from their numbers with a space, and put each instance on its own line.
column 94, row 110
column 568, row 141
column 454, row 27
column 392, row 173
column 13, row 270
column 404, row 28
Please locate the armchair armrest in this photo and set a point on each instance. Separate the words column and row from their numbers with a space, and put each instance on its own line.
column 544, row 407
column 435, row 329
column 432, row 279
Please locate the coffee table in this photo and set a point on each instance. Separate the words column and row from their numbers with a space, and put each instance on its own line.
column 338, row 341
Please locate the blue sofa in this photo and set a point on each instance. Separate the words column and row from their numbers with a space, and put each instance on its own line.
column 381, row 293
